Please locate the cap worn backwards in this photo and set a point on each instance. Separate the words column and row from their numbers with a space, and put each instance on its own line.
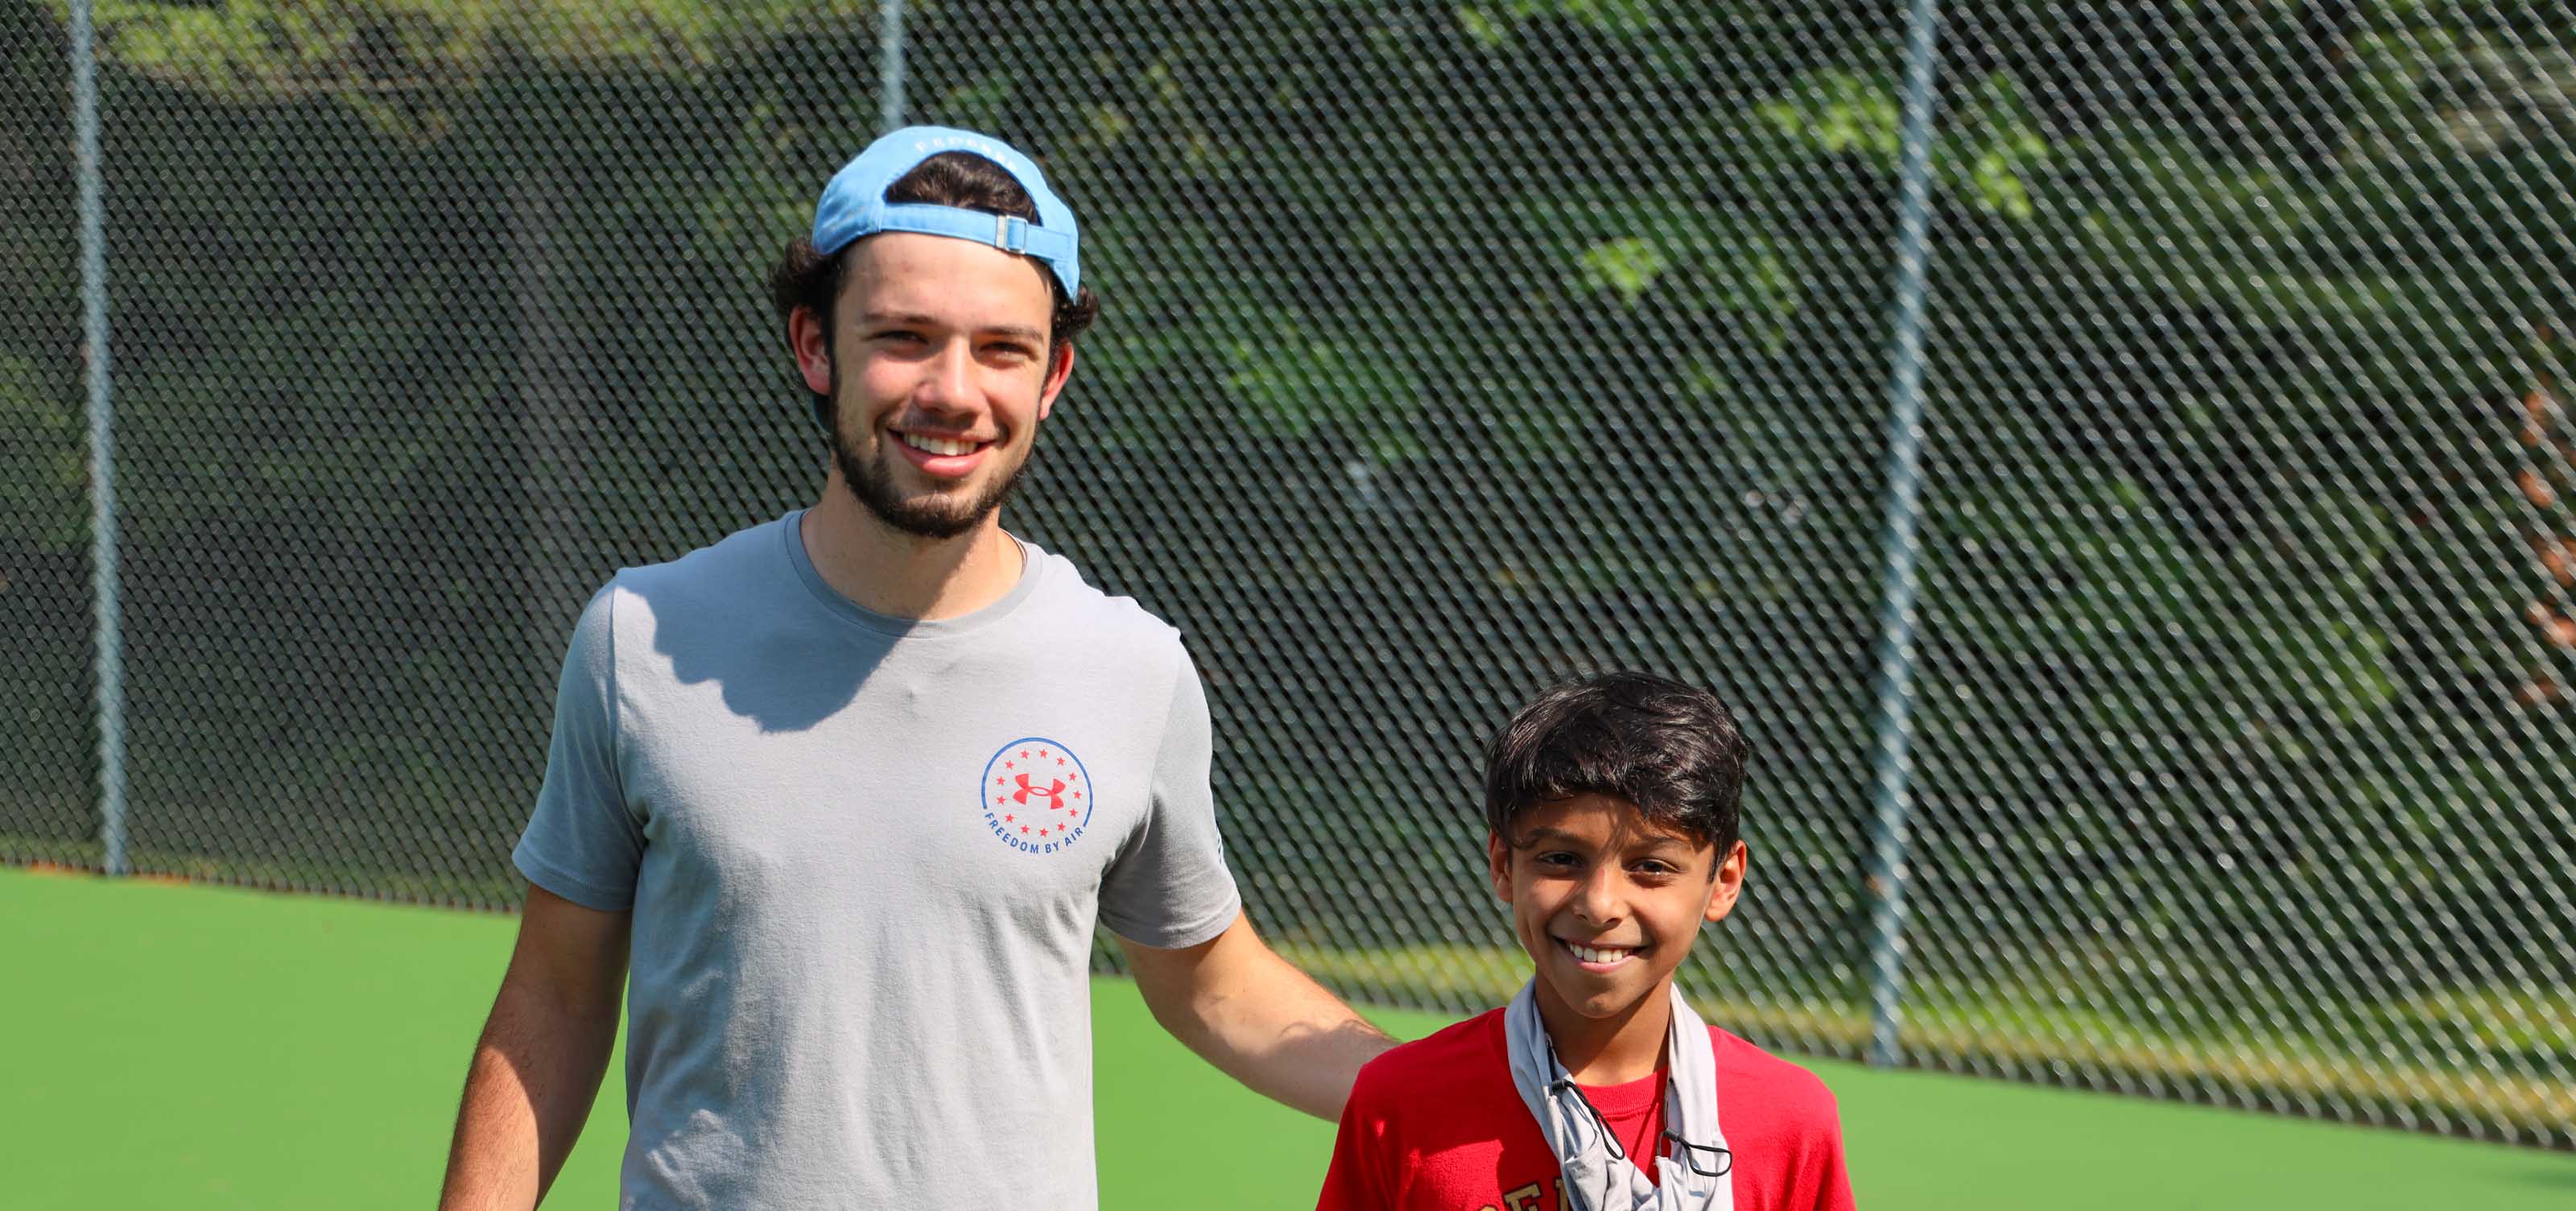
column 854, row 203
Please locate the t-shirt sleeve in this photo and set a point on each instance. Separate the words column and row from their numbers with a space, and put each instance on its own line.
column 582, row 842
column 1356, row 1180
column 1820, row 1154
column 1169, row 886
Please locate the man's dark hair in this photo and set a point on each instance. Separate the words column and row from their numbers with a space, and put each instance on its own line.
column 805, row 278
column 1671, row 749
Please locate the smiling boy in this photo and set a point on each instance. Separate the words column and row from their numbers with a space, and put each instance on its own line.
column 1611, row 814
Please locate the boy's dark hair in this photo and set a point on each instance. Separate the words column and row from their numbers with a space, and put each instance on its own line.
column 805, row 278
column 1671, row 749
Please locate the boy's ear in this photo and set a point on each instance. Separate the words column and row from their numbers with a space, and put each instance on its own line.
column 1498, row 864
column 1727, row 883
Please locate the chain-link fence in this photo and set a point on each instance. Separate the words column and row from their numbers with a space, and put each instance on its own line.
column 1450, row 347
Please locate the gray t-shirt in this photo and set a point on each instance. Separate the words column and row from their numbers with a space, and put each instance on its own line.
column 865, row 857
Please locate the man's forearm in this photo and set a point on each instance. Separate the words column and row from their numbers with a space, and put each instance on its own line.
column 1304, row 1053
column 536, row 1071
column 1259, row 1019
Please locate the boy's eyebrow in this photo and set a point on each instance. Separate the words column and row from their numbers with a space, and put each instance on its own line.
column 1544, row 833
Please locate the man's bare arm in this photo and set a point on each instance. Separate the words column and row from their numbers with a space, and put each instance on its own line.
column 537, row 1067
column 1265, row 1023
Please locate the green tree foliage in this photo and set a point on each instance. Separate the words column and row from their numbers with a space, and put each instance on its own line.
column 253, row 49
column 45, row 743
column 2222, row 562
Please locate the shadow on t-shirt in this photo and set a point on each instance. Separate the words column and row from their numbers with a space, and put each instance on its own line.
column 752, row 615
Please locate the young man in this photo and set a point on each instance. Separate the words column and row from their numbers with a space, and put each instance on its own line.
column 853, row 787
column 1610, row 806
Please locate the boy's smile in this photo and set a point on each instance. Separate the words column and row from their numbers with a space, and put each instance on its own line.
column 1599, row 958
column 1608, row 903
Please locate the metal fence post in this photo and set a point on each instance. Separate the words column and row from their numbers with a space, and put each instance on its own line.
column 1904, row 489
column 109, row 641
column 889, row 65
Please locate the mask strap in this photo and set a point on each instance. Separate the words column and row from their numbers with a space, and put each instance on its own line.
column 1565, row 1084
column 1689, row 1154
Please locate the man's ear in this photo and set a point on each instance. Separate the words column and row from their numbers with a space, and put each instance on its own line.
column 812, row 343
column 1727, row 883
column 1059, row 372
column 1498, row 863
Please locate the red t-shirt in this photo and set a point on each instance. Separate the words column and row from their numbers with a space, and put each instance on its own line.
column 1436, row 1125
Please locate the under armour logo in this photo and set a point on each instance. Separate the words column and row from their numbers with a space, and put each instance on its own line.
column 1043, row 778
column 1054, row 794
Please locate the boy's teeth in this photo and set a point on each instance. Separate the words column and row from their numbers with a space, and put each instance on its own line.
column 1591, row 954
column 938, row 445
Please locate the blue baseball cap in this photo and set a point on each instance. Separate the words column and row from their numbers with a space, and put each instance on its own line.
column 854, row 204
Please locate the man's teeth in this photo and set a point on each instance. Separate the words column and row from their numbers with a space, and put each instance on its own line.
column 937, row 445
column 1599, row 954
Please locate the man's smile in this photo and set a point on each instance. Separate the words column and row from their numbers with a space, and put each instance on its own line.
column 941, row 457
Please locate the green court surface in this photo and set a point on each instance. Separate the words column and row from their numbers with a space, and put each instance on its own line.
column 206, row 1047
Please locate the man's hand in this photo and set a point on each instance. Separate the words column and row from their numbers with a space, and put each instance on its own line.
column 537, row 1067
column 1247, row 1011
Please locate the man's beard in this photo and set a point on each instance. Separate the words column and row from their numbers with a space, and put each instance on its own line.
column 931, row 515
